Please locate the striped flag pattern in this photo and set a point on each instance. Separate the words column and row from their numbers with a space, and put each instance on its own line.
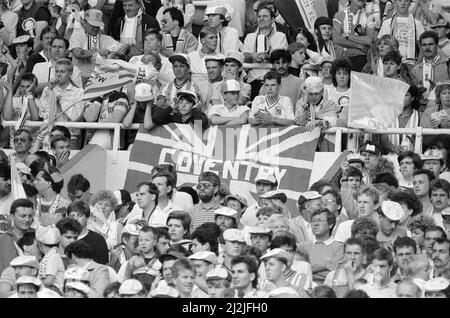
column 236, row 154
column 102, row 83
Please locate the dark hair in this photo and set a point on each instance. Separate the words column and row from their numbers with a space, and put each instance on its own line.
column 111, row 288
column 354, row 172
column 331, row 218
column 383, row 254
column 46, row 30
column 210, row 175
column 439, row 184
column 45, row 156
column 295, row 46
column 401, row 242
column 5, row 172
column 353, row 241
column 176, row 15
column 181, row 264
column 321, row 21
column 414, row 156
column 80, row 207
column 364, row 223
column 312, row 42
column 280, row 54
column 62, row 129
column 442, row 240
column 185, row 219
column 393, row 56
column 407, row 197
column 285, row 239
column 163, row 167
column 30, row 191
column 436, row 228
column 323, row 291
column 387, row 178
column 56, row 186
column 27, row 239
column 56, row 139
column 154, row 32
column 161, row 232
column 20, row 203
column 429, row 34
column 80, row 249
column 178, row 248
column 420, row 222
column 78, row 182
column 28, row 77
column 272, row 75
column 426, row 172
column 413, row 90
column 356, row 293
column 319, row 185
column 68, row 224
column 191, row 192
column 208, row 232
column 66, row 42
column 261, row 7
column 169, row 181
column 252, row 266
column 152, row 189
column 342, row 64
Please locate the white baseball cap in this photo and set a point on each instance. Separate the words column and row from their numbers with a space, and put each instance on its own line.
column 143, row 92
column 433, row 154
column 80, row 287
column 231, row 85
column 25, row 260
column 76, row 273
column 233, row 235
column 226, row 211
column 130, row 287
column 235, row 55
column 436, row 284
column 264, row 176
column 278, row 253
column 48, row 235
column 217, row 273
column 163, row 291
column 28, row 280
column 313, row 84
column 131, row 228
column 206, row 256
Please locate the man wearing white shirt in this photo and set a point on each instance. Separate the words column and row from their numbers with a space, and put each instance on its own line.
column 153, row 44
column 307, row 204
column 165, row 184
column 45, row 71
column 229, row 113
column 228, row 37
column 208, row 39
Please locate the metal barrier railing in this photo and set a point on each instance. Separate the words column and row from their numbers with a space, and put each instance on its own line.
column 337, row 131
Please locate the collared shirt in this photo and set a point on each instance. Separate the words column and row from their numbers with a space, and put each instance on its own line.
column 289, row 87
column 201, row 214
column 301, row 229
column 282, row 108
column 327, row 242
column 223, row 111
column 159, row 216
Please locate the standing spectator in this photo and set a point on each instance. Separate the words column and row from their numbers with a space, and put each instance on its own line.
column 44, row 55
column 208, row 39
column 323, row 28
column 409, row 162
column 440, row 199
column 341, row 90
column 207, row 188
column 381, row 47
column 22, row 140
column 380, row 284
column 176, row 39
column 233, row 69
column 405, row 28
column 210, row 90
column 244, row 271
column 129, row 28
column 271, row 108
column 80, row 212
column 324, row 252
column 78, row 189
column 9, row 19
column 298, row 52
column 82, row 254
column 123, row 252
column 69, row 229
column 432, row 233
column 308, row 203
column 259, row 44
column 442, row 28
column 183, row 273
column 40, row 13
column 234, row 243
column 165, row 184
column 353, row 29
column 184, row 6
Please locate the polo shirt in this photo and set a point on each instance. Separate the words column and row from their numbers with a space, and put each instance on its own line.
column 282, row 108
column 344, row 231
column 200, row 214
column 159, row 216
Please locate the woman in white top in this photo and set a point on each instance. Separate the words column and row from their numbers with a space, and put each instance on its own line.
column 103, row 218
column 340, row 92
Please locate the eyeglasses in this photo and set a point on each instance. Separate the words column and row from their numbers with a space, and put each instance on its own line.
column 318, row 220
column 204, row 185
column 17, row 140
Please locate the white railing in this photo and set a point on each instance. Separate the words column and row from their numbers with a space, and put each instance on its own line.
column 337, row 131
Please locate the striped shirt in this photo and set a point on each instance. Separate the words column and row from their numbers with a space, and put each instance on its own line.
column 201, row 214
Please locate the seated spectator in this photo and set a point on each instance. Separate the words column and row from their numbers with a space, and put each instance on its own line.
column 208, row 39
column 129, row 28
column 327, row 77
column 219, row 19
column 233, row 69
column 400, row 26
column 69, row 229
column 45, row 71
column 259, row 44
column 185, row 7
column 69, row 100
column 281, row 59
column 78, row 189
column 43, row 55
column 60, row 146
column 176, row 39
column 392, row 68
column 187, row 112
column 87, row 41
column 380, row 48
column 314, row 110
column 272, row 108
column 437, row 116
column 148, row 63
column 230, row 112
column 22, row 140
column 341, row 90
column 298, row 53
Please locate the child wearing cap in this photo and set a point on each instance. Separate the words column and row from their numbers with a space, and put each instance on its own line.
column 188, row 111
column 233, row 69
column 218, row 281
column 28, row 287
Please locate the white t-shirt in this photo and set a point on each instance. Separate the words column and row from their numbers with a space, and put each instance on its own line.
column 341, row 99
column 282, row 108
column 344, row 231
column 223, row 111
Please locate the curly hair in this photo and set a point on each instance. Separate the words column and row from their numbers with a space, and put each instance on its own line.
column 382, row 165
column 438, row 90
column 337, row 65
column 364, row 224
column 104, row 195
column 420, row 222
column 407, row 197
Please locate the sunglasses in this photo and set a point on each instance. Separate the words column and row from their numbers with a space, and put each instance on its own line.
column 17, row 140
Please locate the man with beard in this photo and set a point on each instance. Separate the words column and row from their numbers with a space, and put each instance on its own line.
column 264, row 182
column 433, row 67
column 441, row 256
column 6, row 198
column 404, row 249
column 390, row 215
column 281, row 59
column 22, row 215
column 440, row 199
column 207, row 188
